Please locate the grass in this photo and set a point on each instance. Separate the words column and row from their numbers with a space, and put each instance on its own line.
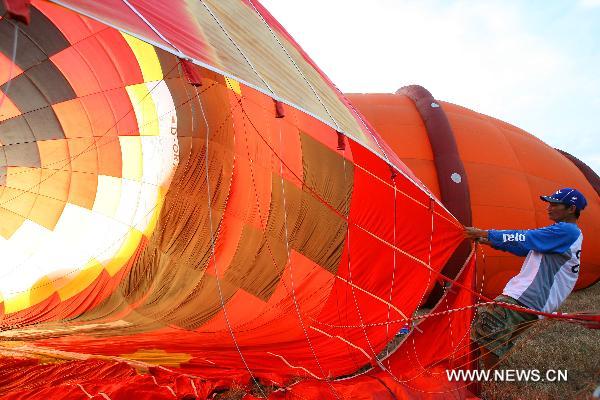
column 556, row 345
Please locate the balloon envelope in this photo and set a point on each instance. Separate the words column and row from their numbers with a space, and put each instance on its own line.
column 160, row 209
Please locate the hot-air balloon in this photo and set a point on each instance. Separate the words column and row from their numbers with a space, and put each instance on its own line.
column 190, row 208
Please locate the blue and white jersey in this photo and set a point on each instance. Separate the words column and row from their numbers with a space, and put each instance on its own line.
column 551, row 268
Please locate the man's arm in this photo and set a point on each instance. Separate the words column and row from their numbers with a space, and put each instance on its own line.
column 555, row 238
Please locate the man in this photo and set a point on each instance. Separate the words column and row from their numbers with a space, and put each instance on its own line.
column 547, row 277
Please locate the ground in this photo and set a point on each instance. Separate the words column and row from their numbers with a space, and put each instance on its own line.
column 557, row 345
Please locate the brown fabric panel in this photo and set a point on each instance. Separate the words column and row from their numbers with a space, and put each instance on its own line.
column 187, row 201
column 203, row 304
column 28, row 53
column 115, row 304
column 51, row 82
column 319, row 233
column 169, row 64
column 183, row 98
column 326, row 173
column 280, row 218
column 15, row 130
column 45, row 34
column 37, row 41
column 22, row 155
column 313, row 229
column 215, row 106
column 44, row 124
column 185, row 149
column 105, row 311
column 25, row 94
column 177, row 294
column 2, row 168
column 258, row 263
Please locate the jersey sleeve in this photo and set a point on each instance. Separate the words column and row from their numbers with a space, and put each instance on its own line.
column 555, row 238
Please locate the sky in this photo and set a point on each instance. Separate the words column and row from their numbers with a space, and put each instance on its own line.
column 534, row 64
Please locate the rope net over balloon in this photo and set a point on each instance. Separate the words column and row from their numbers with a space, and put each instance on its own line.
column 170, row 235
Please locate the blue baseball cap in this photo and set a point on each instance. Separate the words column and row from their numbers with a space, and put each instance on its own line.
column 568, row 196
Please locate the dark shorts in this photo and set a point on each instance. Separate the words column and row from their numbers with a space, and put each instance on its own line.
column 496, row 328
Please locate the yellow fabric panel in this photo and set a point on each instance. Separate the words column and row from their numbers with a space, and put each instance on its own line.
column 81, row 280
column 131, row 156
column 38, row 292
column 159, row 357
column 17, row 303
column 233, row 85
column 146, row 57
column 125, row 252
column 160, row 202
column 145, row 109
